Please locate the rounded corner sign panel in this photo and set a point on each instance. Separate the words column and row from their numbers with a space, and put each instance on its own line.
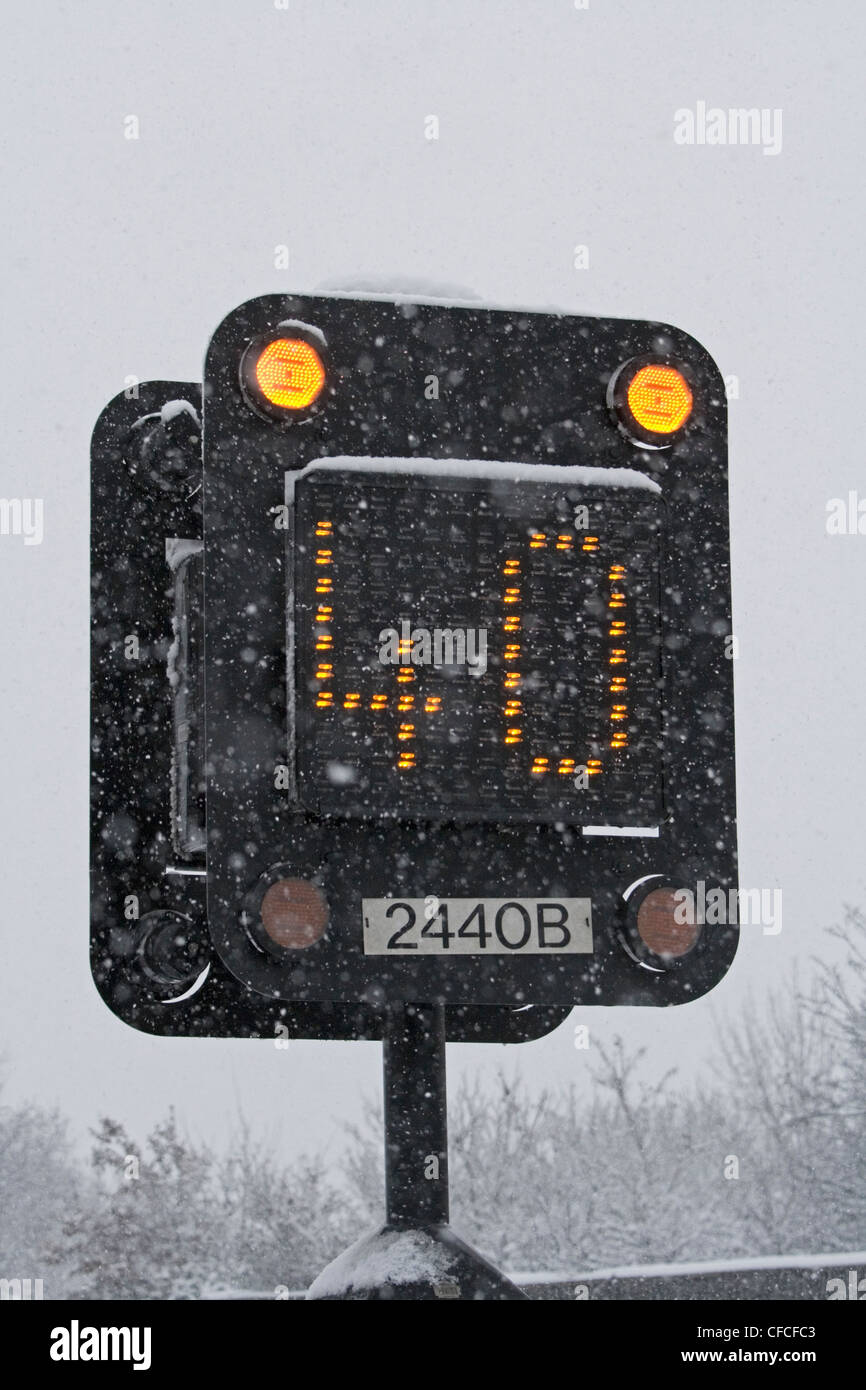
column 454, row 669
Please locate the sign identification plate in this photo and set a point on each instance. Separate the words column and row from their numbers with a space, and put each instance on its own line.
column 477, row 926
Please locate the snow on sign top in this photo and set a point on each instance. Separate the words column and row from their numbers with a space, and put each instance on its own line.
column 296, row 325
column 491, row 469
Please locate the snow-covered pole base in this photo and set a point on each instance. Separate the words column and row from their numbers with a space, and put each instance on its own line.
column 412, row 1263
column 415, row 1255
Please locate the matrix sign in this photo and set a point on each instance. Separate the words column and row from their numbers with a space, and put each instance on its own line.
column 431, row 699
column 476, row 644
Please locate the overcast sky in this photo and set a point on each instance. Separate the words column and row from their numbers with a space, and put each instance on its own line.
column 261, row 126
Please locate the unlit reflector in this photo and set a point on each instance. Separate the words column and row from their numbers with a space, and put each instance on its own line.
column 294, row 913
column 666, row 924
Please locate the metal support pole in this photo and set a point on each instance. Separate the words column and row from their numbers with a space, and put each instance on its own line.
column 416, row 1124
column 416, row 1255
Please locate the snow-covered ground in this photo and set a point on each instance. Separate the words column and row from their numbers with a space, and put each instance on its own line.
column 166, row 162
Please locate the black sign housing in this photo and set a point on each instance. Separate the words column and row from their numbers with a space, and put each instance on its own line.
column 437, row 734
